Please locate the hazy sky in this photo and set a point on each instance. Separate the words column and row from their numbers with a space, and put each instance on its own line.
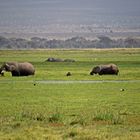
column 25, row 12
column 132, row 4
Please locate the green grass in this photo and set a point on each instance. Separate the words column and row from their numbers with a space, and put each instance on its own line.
column 71, row 111
column 128, row 61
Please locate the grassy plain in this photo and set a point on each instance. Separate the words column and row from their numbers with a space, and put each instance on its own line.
column 33, row 110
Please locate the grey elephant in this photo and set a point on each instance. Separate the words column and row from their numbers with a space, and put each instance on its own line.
column 18, row 69
column 105, row 69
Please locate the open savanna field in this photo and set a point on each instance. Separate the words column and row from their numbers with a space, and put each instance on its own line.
column 53, row 106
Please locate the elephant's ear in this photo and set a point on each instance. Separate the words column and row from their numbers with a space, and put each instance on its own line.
column 98, row 68
column 12, row 68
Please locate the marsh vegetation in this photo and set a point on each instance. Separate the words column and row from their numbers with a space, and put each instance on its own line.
column 30, row 109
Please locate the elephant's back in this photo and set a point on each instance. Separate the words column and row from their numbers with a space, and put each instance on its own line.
column 109, row 69
column 26, row 68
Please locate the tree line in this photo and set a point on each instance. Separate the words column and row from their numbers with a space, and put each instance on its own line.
column 74, row 42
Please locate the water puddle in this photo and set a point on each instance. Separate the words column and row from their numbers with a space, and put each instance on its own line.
column 71, row 81
column 86, row 81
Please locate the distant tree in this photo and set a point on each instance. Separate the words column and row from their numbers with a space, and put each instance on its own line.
column 74, row 42
column 130, row 42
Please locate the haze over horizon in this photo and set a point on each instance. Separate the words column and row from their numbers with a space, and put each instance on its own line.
column 43, row 14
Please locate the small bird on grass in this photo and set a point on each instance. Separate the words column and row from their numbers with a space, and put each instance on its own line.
column 68, row 74
column 122, row 89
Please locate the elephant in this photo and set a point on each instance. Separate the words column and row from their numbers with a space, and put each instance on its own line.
column 105, row 69
column 51, row 59
column 18, row 69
